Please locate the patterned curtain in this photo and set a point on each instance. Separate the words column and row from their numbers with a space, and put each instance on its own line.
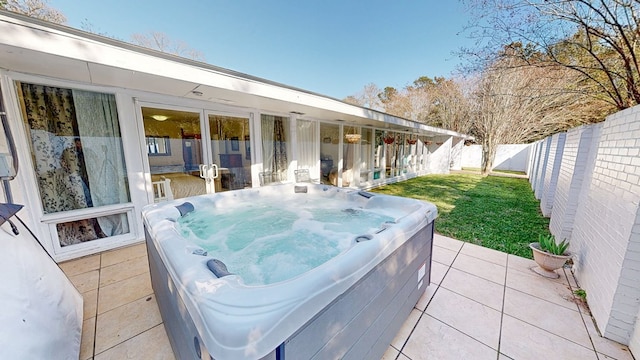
column 50, row 115
column 274, row 147
column 268, row 124
column 60, row 163
column 280, row 162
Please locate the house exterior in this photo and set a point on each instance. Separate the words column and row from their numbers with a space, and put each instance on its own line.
column 103, row 128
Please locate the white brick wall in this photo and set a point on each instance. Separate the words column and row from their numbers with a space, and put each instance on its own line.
column 542, row 166
column 552, row 169
column 535, row 164
column 570, row 178
column 606, row 233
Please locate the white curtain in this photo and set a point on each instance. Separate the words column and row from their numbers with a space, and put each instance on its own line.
column 307, row 144
column 99, row 132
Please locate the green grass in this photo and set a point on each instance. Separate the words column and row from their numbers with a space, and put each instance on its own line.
column 495, row 212
column 496, row 171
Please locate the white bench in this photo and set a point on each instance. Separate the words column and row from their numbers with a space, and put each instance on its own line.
column 162, row 190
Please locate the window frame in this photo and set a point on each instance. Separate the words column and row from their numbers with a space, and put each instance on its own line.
column 44, row 225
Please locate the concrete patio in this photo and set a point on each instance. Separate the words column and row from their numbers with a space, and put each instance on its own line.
column 481, row 304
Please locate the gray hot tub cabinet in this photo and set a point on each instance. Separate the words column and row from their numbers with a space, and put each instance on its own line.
column 358, row 324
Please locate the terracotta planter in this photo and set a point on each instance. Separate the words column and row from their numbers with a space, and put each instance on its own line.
column 547, row 263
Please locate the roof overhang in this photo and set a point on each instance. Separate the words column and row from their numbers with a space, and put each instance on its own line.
column 33, row 46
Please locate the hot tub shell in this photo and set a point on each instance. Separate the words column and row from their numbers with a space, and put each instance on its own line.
column 357, row 320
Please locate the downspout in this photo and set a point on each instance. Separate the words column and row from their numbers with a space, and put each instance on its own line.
column 12, row 151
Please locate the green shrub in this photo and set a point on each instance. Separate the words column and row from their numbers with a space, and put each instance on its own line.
column 548, row 243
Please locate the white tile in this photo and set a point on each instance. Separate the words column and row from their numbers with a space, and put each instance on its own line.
column 604, row 346
column 481, row 268
column 486, row 254
column 476, row 288
column 433, row 339
column 82, row 265
column 541, row 287
column 125, row 322
column 123, row 292
column 85, row 281
column 470, row 317
column 406, row 329
column 437, row 272
column 447, row 242
column 88, row 337
column 151, row 344
column 123, row 270
column 90, row 304
column 443, row 255
column 527, row 265
column 547, row 316
column 122, row 254
column 526, row 342
column 426, row 296
column 391, row 354
column 520, row 263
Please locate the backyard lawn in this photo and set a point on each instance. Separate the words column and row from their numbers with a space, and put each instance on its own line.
column 496, row 212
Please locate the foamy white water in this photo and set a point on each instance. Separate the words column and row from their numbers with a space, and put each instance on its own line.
column 265, row 243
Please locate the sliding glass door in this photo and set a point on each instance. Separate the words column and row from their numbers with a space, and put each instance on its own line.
column 175, row 152
column 189, row 157
column 230, row 138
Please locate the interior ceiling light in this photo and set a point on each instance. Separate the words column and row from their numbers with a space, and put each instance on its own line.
column 160, row 117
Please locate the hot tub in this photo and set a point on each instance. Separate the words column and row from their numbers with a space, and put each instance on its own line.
column 288, row 271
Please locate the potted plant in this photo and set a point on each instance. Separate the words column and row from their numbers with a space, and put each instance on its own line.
column 549, row 255
column 389, row 139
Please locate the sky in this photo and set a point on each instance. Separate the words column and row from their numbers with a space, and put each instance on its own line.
column 330, row 47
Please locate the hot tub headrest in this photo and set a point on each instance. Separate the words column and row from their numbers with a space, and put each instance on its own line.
column 185, row 208
column 218, row 268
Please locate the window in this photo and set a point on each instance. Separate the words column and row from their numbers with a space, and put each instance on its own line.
column 307, row 140
column 275, row 134
column 158, row 146
column 78, row 158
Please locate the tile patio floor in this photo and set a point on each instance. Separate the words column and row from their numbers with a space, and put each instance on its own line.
column 481, row 304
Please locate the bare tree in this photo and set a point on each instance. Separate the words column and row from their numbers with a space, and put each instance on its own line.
column 438, row 102
column 514, row 103
column 596, row 39
column 34, row 8
column 412, row 102
column 451, row 104
column 409, row 103
column 162, row 42
column 367, row 97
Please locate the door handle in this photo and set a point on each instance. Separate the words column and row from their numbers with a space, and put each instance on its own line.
column 208, row 172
